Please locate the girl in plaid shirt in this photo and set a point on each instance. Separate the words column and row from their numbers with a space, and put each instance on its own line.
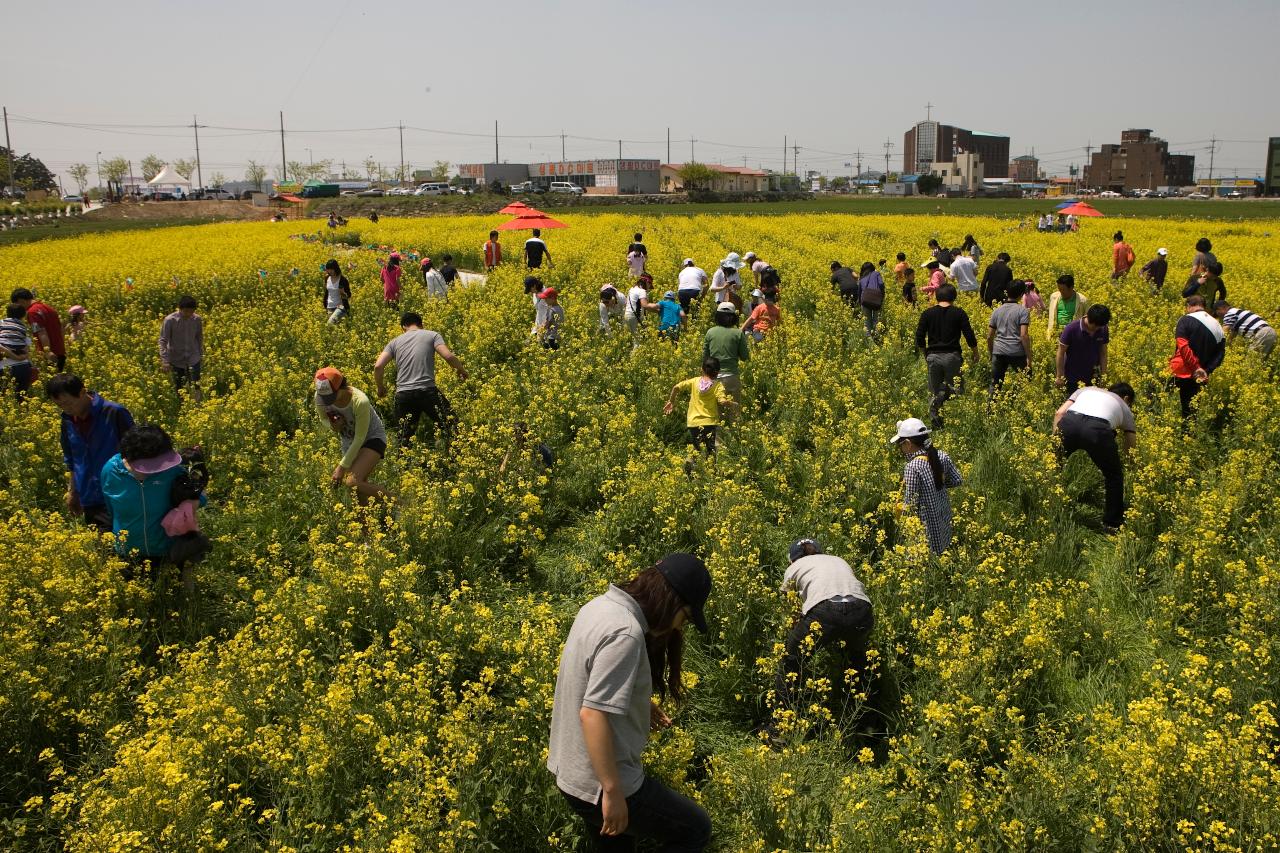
column 925, row 479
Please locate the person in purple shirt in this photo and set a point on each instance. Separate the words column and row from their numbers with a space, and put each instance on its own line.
column 1082, row 349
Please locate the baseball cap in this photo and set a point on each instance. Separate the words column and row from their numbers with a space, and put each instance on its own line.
column 690, row 579
column 797, row 548
column 77, row 309
column 757, row 292
column 688, row 262
column 1162, row 251
column 670, row 294
column 608, row 290
column 726, row 308
column 912, row 428
column 548, row 293
column 750, row 256
column 425, row 260
column 329, row 381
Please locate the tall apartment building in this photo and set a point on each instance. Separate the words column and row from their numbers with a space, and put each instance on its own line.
column 1271, row 174
column 1140, row 161
column 932, row 142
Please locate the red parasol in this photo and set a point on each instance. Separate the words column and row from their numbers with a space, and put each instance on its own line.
column 537, row 220
column 515, row 208
column 1080, row 208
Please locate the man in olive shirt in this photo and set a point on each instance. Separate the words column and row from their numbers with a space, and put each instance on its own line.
column 728, row 343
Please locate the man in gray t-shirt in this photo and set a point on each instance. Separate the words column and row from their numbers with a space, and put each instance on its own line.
column 1008, row 334
column 414, row 352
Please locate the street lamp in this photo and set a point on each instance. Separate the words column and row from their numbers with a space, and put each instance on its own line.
column 310, row 161
column 97, row 161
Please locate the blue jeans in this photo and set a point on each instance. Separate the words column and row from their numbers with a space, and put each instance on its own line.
column 655, row 811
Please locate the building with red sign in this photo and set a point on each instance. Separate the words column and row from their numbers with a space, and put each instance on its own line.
column 604, row 177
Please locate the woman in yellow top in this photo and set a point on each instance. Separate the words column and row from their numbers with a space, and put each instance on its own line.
column 706, row 396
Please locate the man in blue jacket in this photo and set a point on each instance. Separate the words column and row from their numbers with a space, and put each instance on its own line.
column 91, row 431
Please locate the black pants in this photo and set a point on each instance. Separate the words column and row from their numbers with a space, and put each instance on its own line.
column 654, row 811
column 704, row 437
column 62, row 363
column 686, row 298
column 21, row 376
column 1187, row 390
column 850, row 622
column 1097, row 438
column 412, row 405
column 1000, row 365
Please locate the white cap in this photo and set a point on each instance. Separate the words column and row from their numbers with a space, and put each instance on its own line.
column 688, row 262
column 757, row 292
column 912, row 428
column 750, row 256
column 1162, row 251
column 727, row 307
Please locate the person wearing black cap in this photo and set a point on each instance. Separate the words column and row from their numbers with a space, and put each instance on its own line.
column 833, row 600
column 622, row 645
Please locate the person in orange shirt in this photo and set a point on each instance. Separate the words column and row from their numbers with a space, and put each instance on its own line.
column 900, row 269
column 763, row 318
column 1122, row 257
column 492, row 252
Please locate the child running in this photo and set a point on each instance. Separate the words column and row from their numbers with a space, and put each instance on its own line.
column 391, row 280
column 706, row 396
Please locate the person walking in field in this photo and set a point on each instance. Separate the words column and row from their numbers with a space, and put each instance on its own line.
column 1207, row 284
column 764, row 317
column 1088, row 421
column 492, row 252
column 391, row 272
column 15, row 349
column 834, row 608
column 182, row 347
column 535, row 250
column 610, row 307
column 846, row 283
column 965, row 273
column 937, row 278
column 970, row 246
column 995, row 280
column 928, row 474
column 726, row 343
column 706, row 396
column 337, row 292
column 414, row 352
column 550, row 318
column 938, row 335
column 1065, row 304
column 637, row 256
column 692, row 284
column 670, row 317
column 448, row 272
column 638, row 303
column 1259, row 334
column 359, row 427
column 900, row 268
column 1082, row 349
column 1031, row 299
column 436, row 286
column 1122, row 257
column 1156, row 269
column 1199, row 347
column 90, row 431
column 870, row 297
column 622, row 645
column 909, row 286
column 46, row 326
column 1203, row 257
column 77, row 324
column 1009, row 335
column 726, row 281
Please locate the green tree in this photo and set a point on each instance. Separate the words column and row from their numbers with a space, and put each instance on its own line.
column 115, row 170
column 696, row 176
column 29, row 173
column 371, row 167
column 255, row 173
column 216, row 180
column 79, row 173
column 298, row 171
column 928, row 184
column 184, row 167
column 151, row 166
column 440, row 171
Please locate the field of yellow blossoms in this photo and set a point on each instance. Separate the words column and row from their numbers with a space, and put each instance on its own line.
column 1040, row 687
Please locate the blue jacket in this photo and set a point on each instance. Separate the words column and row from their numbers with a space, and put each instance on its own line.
column 137, row 508
column 84, row 457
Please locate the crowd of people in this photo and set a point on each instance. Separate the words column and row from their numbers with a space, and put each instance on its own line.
column 627, row 644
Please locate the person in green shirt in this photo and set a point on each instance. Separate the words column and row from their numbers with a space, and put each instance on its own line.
column 1064, row 306
column 727, row 343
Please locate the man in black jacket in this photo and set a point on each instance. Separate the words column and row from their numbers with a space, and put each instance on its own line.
column 995, row 279
column 938, row 333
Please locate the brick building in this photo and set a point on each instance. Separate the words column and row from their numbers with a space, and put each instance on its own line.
column 1024, row 169
column 1271, row 174
column 1140, row 161
column 931, row 142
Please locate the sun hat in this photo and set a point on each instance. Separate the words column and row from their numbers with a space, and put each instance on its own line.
column 733, row 259
column 548, row 293
column 1162, row 251
column 156, row 464
column 726, row 308
column 424, row 262
column 749, row 256
column 932, row 262
column 77, row 309
column 329, row 381
column 670, row 294
column 688, row 262
column 608, row 291
column 912, row 428
column 691, row 581
column 797, row 548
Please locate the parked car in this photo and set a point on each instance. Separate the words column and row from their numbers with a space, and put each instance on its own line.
column 566, row 187
column 1197, row 195
column 372, row 192
column 1108, row 194
column 432, row 188
column 528, row 187
column 211, row 194
column 401, row 191
column 73, row 199
column 460, row 190
column 1235, row 194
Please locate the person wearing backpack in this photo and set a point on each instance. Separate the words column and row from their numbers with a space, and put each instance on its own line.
column 938, row 334
column 91, row 429
column 638, row 303
column 870, row 296
column 1122, row 257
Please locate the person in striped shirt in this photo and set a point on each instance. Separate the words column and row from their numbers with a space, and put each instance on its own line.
column 1254, row 329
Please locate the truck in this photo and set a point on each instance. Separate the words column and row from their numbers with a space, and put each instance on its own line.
column 318, row 190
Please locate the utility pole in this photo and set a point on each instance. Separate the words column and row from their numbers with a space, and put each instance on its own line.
column 402, row 175
column 784, row 154
column 668, row 145
column 562, row 145
column 13, row 187
column 795, row 157
column 284, row 164
column 495, row 142
column 1213, row 148
column 97, row 161
column 888, row 148
column 619, row 149
column 195, row 126
column 692, row 158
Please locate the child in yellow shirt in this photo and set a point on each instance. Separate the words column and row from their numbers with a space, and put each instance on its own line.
column 706, row 396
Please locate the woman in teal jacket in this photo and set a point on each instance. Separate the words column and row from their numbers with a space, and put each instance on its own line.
column 137, row 483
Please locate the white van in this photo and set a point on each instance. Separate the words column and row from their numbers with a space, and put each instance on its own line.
column 566, row 187
column 432, row 189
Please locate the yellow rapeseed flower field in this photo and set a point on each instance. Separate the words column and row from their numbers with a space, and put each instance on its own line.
column 351, row 683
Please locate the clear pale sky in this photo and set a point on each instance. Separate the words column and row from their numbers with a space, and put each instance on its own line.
column 833, row 76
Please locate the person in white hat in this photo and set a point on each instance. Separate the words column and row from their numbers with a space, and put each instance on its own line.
column 725, row 282
column 693, row 282
column 758, row 265
column 928, row 474
column 1156, row 269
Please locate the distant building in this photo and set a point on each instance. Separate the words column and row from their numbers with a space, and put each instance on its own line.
column 598, row 177
column 1140, row 161
column 729, row 179
column 486, row 173
column 1024, row 168
column 963, row 174
column 931, row 142
column 1271, row 174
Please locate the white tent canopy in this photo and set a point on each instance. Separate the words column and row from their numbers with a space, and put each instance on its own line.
column 169, row 178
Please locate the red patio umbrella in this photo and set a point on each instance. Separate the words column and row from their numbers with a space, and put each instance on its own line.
column 538, row 220
column 1080, row 208
column 515, row 208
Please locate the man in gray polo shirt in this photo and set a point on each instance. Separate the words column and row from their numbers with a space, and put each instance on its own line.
column 834, row 601
column 414, row 352
column 604, row 707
